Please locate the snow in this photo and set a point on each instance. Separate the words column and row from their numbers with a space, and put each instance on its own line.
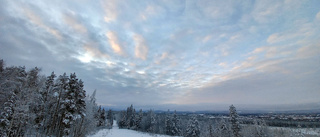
column 116, row 132
column 306, row 131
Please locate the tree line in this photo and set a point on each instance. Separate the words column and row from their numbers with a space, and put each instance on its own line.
column 174, row 124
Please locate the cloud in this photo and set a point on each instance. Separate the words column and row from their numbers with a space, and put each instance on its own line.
column 114, row 43
column 92, row 53
column 141, row 48
column 206, row 38
column 309, row 51
column 267, row 11
column 74, row 23
column 110, row 10
column 141, row 52
column 35, row 19
column 318, row 16
column 276, row 87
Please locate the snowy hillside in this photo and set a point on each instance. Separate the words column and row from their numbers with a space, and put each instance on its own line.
column 116, row 132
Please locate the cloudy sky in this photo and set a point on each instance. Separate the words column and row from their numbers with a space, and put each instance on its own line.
column 178, row 52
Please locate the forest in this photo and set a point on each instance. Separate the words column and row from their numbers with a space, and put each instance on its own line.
column 36, row 105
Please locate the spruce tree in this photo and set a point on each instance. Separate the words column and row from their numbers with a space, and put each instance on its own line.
column 222, row 129
column 138, row 120
column 168, row 123
column 151, row 121
column 175, row 124
column 102, row 118
column 7, row 116
column 193, row 129
column 122, row 123
column 235, row 126
column 110, row 118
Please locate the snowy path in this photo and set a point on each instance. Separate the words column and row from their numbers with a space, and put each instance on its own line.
column 116, row 132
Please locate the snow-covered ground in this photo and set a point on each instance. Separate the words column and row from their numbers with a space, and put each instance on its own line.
column 305, row 131
column 116, row 132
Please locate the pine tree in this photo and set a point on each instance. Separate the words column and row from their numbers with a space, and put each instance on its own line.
column 259, row 128
column 97, row 116
column 93, row 97
column 90, row 120
column 29, row 101
column 1, row 65
column 56, row 101
column 110, row 118
column 138, row 120
column 193, row 129
column 74, row 103
column 80, row 100
column 7, row 116
column 175, row 124
column 130, row 117
column 123, row 120
column 211, row 132
column 151, row 122
column 168, row 123
column 222, row 129
column 235, row 126
column 133, row 119
column 102, row 118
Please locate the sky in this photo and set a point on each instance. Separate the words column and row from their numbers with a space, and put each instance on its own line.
column 193, row 55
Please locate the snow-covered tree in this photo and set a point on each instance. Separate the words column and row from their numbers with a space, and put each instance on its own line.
column 56, row 97
column 1, row 65
column 93, row 97
column 102, row 118
column 260, row 129
column 130, row 117
column 6, row 116
column 73, row 103
column 138, row 120
column 222, row 129
column 34, row 105
column 122, row 122
column 210, row 131
column 235, row 126
column 90, row 120
column 149, row 122
column 193, row 129
column 110, row 118
column 168, row 123
column 175, row 127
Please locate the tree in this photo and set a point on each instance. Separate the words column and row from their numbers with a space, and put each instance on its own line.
column 130, row 117
column 150, row 122
column 210, row 131
column 122, row 123
column 102, row 118
column 29, row 101
column 235, row 126
column 90, row 120
column 6, row 116
column 138, row 120
column 168, row 123
column 110, row 118
column 193, row 129
column 97, row 116
column 1, row 65
column 93, row 97
column 175, row 127
column 260, row 129
column 222, row 129
column 73, row 103
column 57, row 98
